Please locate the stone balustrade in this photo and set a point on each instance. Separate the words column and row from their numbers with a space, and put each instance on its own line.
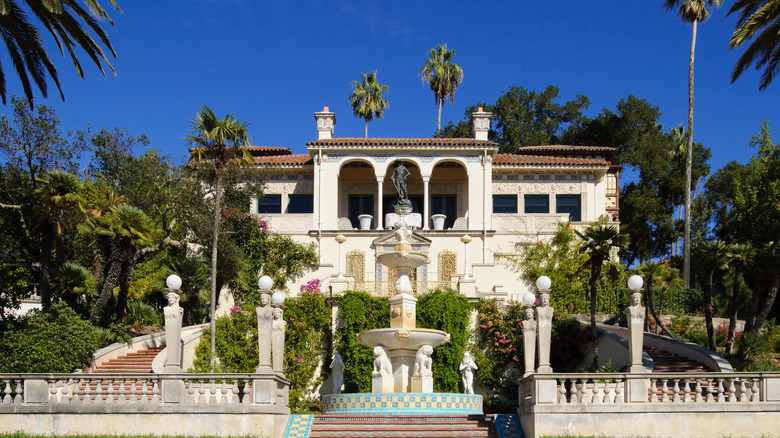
column 128, row 389
column 641, row 404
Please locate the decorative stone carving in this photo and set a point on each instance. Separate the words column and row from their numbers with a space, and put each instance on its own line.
column 529, row 341
column 345, row 224
column 467, row 368
column 278, row 326
column 264, row 330
column 505, row 188
column 337, row 368
column 460, row 224
column 173, row 316
column 511, row 223
column 423, row 362
column 382, row 365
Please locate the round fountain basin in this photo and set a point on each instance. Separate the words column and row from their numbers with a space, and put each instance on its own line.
column 402, row 339
column 410, row 260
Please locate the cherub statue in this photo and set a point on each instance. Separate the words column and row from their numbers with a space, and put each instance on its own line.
column 467, row 366
column 423, row 362
column 382, row 365
column 337, row 365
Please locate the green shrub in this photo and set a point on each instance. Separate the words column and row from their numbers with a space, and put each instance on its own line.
column 56, row 341
column 360, row 311
column 448, row 311
column 235, row 344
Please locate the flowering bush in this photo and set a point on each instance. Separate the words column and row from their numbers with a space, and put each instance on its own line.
column 312, row 286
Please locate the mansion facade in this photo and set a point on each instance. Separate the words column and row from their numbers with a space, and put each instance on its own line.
column 473, row 203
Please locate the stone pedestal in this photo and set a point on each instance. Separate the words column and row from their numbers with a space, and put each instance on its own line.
column 264, row 392
column 529, row 346
column 173, row 391
column 403, row 309
column 422, row 384
column 635, row 316
column 383, row 384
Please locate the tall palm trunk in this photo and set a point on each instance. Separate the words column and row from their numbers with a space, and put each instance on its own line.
column 689, row 167
column 366, row 129
column 438, row 119
column 708, row 310
column 769, row 300
column 650, row 293
column 733, row 307
column 125, row 278
column 110, row 282
column 595, row 273
column 213, row 305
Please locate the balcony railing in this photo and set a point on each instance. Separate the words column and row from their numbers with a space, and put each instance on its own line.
column 367, row 282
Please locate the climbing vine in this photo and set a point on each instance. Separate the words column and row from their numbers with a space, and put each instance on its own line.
column 449, row 311
column 359, row 311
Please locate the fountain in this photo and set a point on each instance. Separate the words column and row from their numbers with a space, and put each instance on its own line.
column 402, row 379
column 403, row 341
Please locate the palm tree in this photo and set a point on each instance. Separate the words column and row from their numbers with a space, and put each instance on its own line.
column 738, row 255
column 443, row 76
column 219, row 142
column 711, row 257
column 654, row 274
column 130, row 229
column 764, row 51
column 73, row 281
column 366, row 99
column 598, row 240
column 60, row 192
column 690, row 11
column 61, row 18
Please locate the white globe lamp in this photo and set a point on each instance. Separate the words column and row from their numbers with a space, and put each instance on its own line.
column 277, row 298
column 265, row 283
column 529, row 299
column 173, row 282
column 543, row 283
column 635, row 282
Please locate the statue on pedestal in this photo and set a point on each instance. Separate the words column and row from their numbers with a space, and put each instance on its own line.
column 264, row 319
column 544, row 316
column 529, row 340
column 337, row 366
column 278, row 326
column 635, row 315
column 423, row 362
column 467, row 366
column 400, row 173
column 173, row 316
column 382, row 365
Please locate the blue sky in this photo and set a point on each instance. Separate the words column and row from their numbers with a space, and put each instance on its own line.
column 274, row 64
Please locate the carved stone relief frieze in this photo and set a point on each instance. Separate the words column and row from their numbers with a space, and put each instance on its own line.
column 512, row 224
column 547, row 187
column 302, row 187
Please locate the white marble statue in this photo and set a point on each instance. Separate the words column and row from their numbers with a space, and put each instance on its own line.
column 264, row 320
column 337, row 367
column 544, row 317
column 173, row 316
column 529, row 341
column 278, row 326
column 382, row 365
column 636, row 322
column 467, row 367
column 423, row 362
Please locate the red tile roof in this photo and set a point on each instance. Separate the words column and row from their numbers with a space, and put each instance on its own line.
column 542, row 160
column 567, row 149
column 268, row 150
column 417, row 142
column 284, row 160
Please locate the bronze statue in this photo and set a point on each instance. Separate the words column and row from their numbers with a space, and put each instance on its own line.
column 400, row 173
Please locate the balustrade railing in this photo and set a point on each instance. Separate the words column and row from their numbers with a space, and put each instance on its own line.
column 108, row 389
column 615, row 388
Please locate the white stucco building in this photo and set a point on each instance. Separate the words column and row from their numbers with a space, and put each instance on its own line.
column 498, row 200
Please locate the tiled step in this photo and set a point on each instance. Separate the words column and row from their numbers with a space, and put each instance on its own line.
column 136, row 362
column 340, row 426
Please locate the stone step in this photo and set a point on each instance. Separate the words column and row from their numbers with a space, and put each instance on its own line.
column 339, row 426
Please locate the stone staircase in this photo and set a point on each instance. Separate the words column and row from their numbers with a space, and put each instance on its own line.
column 666, row 362
column 412, row 426
column 135, row 362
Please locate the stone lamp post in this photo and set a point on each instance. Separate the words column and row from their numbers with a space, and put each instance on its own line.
column 341, row 239
column 264, row 323
column 278, row 327
column 173, row 317
column 544, row 316
column 635, row 314
column 529, row 333
column 466, row 239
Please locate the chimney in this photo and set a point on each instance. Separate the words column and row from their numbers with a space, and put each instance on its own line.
column 325, row 121
column 480, row 124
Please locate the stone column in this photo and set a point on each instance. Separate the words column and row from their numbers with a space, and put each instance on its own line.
column 544, row 316
column 264, row 330
column 529, row 340
column 380, row 214
column 426, row 204
column 635, row 315
column 278, row 327
column 173, row 316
